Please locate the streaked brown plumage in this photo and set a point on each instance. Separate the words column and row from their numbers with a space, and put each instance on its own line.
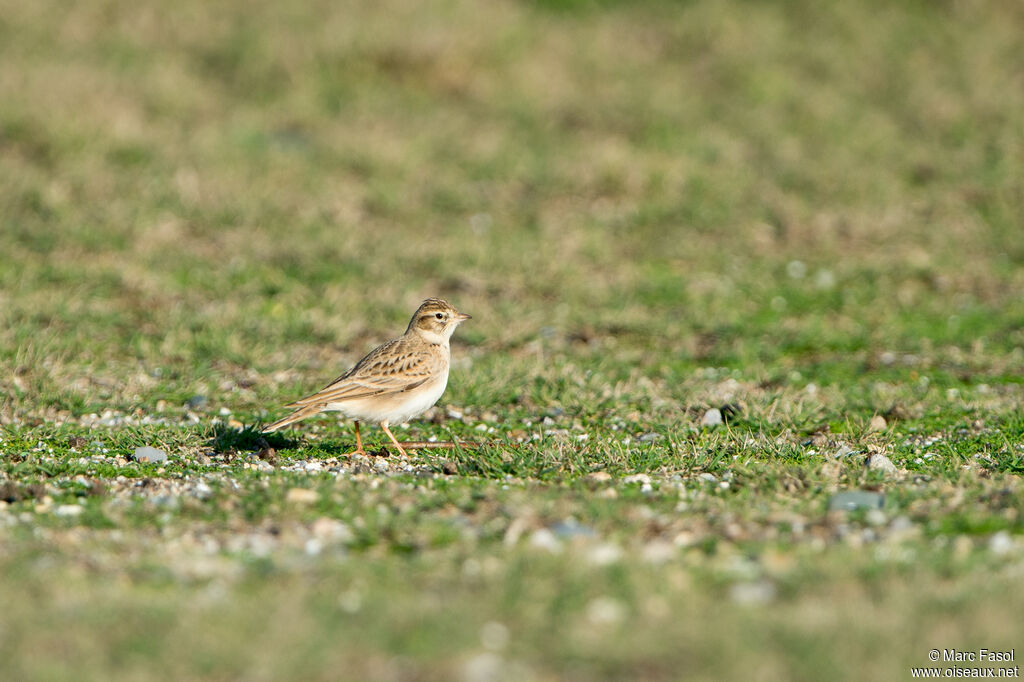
column 396, row 381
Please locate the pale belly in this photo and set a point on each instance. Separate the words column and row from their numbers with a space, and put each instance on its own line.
column 392, row 409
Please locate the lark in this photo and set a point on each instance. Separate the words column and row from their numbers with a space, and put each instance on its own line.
column 395, row 382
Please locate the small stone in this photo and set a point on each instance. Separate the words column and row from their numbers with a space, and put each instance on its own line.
column 604, row 554
column 845, row 451
column 450, row 468
column 650, row 437
column 879, row 462
column 544, row 539
column 685, row 538
column 77, row 442
column 849, row 500
column 1001, row 543
column 712, row 417
column 148, row 454
column 877, row 423
column 597, row 477
column 302, row 496
column 753, row 593
column 196, row 402
column 161, row 405
column 68, row 510
column 202, row 491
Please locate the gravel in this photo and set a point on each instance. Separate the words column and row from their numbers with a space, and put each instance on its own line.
column 149, row 454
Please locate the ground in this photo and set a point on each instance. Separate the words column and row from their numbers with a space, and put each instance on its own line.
column 728, row 262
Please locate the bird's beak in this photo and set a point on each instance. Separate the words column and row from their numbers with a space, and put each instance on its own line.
column 463, row 316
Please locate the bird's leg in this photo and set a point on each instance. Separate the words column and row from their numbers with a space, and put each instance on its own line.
column 398, row 445
column 359, row 443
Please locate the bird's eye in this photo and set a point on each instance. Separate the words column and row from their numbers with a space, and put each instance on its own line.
column 439, row 316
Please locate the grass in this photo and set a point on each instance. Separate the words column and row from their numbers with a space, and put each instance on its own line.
column 804, row 214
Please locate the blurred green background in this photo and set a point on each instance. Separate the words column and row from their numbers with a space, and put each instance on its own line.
column 809, row 209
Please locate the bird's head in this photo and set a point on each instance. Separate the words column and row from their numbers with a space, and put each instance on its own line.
column 436, row 320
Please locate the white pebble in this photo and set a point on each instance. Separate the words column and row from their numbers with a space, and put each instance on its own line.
column 1001, row 543
column 544, row 539
column 881, row 463
column 712, row 417
column 68, row 510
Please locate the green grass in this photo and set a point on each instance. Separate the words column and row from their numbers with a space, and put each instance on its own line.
column 807, row 212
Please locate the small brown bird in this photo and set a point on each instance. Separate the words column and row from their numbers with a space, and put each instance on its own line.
column 396, row 381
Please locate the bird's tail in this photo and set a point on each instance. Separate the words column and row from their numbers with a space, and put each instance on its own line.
column 297, row 415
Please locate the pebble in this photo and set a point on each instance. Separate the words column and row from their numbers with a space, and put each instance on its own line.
column 202, row 491
column 844, row 451
column 879, row 462
column 301, row 496
column 753, row 593
column 542, row 538
column 848, row 500
column 1001, row 543
column 712, row 417
column 598, row 477
column 604, row 554
column 877, row 423
column 650, row 437
column 68, row 510
column 148, row 454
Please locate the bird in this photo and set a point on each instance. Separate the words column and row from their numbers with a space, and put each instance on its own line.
column 395, row 382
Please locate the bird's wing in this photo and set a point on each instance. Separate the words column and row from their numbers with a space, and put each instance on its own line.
column 390, row 368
